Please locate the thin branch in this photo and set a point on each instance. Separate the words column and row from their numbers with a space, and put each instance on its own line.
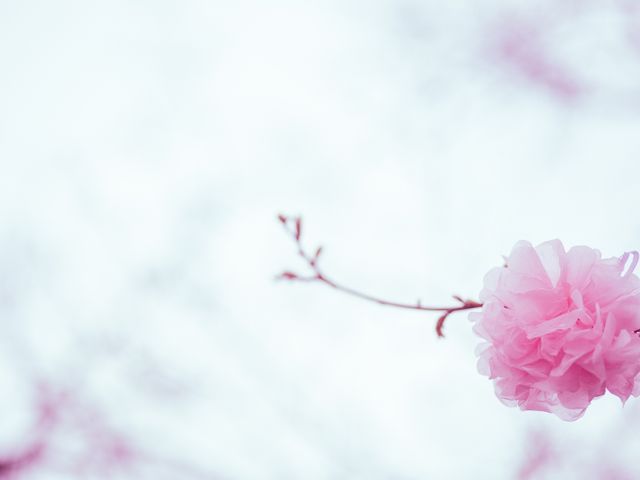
column 293, row 226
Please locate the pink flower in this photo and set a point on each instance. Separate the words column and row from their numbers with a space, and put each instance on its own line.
column 560, row 328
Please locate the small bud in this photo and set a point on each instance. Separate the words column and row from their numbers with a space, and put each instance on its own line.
column 298, row 227
column 287, row 276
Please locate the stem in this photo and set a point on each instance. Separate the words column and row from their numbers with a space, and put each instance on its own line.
column 293, row 226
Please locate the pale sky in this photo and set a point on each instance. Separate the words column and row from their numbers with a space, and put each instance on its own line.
column 146, row 148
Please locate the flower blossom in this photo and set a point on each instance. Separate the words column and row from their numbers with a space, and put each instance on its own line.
column 560, row 328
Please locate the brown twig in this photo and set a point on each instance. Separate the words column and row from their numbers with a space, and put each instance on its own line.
column 293, row 226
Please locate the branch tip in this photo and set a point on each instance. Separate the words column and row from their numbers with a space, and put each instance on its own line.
column 298, row 228
column 287, row 276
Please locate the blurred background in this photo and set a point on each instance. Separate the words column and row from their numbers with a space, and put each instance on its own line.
column 146, row 148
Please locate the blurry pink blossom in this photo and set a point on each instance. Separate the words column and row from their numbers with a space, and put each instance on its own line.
column 520, row 46
column 540, row 456
column 560, row 328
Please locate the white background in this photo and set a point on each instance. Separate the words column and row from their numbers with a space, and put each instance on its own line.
column 147, row 146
